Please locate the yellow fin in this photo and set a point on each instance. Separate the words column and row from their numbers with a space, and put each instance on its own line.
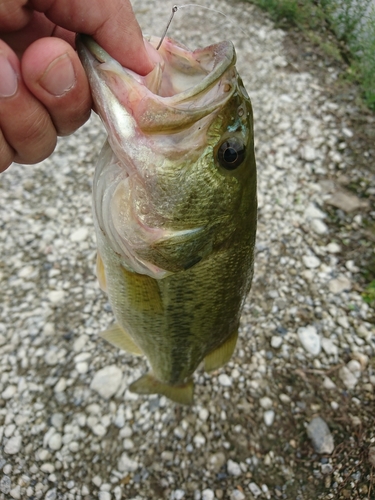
column 220, row 356
column 100, row 273
column 148, row 384
column 116, row 336
column 143, row 292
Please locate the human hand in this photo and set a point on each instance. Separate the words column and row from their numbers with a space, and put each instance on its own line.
column 44, row 91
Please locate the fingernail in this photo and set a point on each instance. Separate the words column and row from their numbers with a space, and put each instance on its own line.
column 8, row 78
column 59, row 77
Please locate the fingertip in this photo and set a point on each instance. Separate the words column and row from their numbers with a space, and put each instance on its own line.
column 53, row 73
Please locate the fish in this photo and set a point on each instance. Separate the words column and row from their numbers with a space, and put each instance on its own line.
column 175, row 208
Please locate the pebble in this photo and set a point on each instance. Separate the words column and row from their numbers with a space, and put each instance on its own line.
column 5, row 484
column 309, row 339
column 328, row 383
column 276, row 341
column 320, row 435
column 56, row 296
column 333, row 247
column 311, row 261
column 104, row 495
column 265, row 402
column 178, row 494
column 107, row 381
column 55, row 441
column 208, row 494
column 339, row 285
column 269, row 417
column 51, row 494
column 255, row 490
column 319, row 227
column 329, row 347
column 348, row 377
column 225, row 380
column 233, row 468
column 80, row 234
column 126, row 464
column 13, row 445
column 9, row 392
column 237, row 495
column 16, row 492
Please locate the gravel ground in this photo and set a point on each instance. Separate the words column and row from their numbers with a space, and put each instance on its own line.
column 292, row 415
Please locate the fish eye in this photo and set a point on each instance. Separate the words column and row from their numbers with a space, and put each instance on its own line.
column 231, row 153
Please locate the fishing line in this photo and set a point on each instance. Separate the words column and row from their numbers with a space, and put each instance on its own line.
column 175, row 8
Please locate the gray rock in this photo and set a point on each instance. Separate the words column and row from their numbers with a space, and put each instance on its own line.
column 233, row 468
column 348, row 378
column 255, row 490
column 13, row 445
column 107, row 381
column 340, row 284
column 310, row 339
column 320, row 435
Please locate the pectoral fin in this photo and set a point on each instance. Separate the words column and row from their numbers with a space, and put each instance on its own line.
column 148, row 384
column 116, row 336
column 220, row 356
column 100, row 273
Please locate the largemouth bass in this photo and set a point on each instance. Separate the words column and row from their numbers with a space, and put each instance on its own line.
column 174, row 203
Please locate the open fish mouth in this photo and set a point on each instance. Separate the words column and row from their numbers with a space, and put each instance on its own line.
column 185, row 87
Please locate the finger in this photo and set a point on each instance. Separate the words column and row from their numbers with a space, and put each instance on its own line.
column 111, row 23
column 38, row 26
column 7, row 154
column 14, row 14
column 24, row 122
column 54, row 75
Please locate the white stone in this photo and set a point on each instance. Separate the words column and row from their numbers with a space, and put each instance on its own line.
column 107, row 381
column 340, row 284
column 126, row 464
column 318, row 226
column 104, row 495
column 85, row 491
column 208, row 494
column 255, row 490
column 313, row 212
column 265, row 403
column 51, row 212
column 333, row 248
column 79, row 234
column 329, row 347
column 128, row 444
column 237, row 495
column 233, row 468
column 56, row 296
column 328, row 384
column 178, row 494
column 99, row 430
column 16, row 492
column 203, row 414
column 9, row 392
column 355, row 367
column 60, row 386
column 82, row 367
column 309, row 153
column 348, row 378
column 276, row 341
column 13, row 445
column 309, row 339
column 224, row 380
column 311, row 261
column 269, row 417
column 55, row 441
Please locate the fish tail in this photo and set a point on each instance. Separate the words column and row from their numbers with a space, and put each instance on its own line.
column 148, row 384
